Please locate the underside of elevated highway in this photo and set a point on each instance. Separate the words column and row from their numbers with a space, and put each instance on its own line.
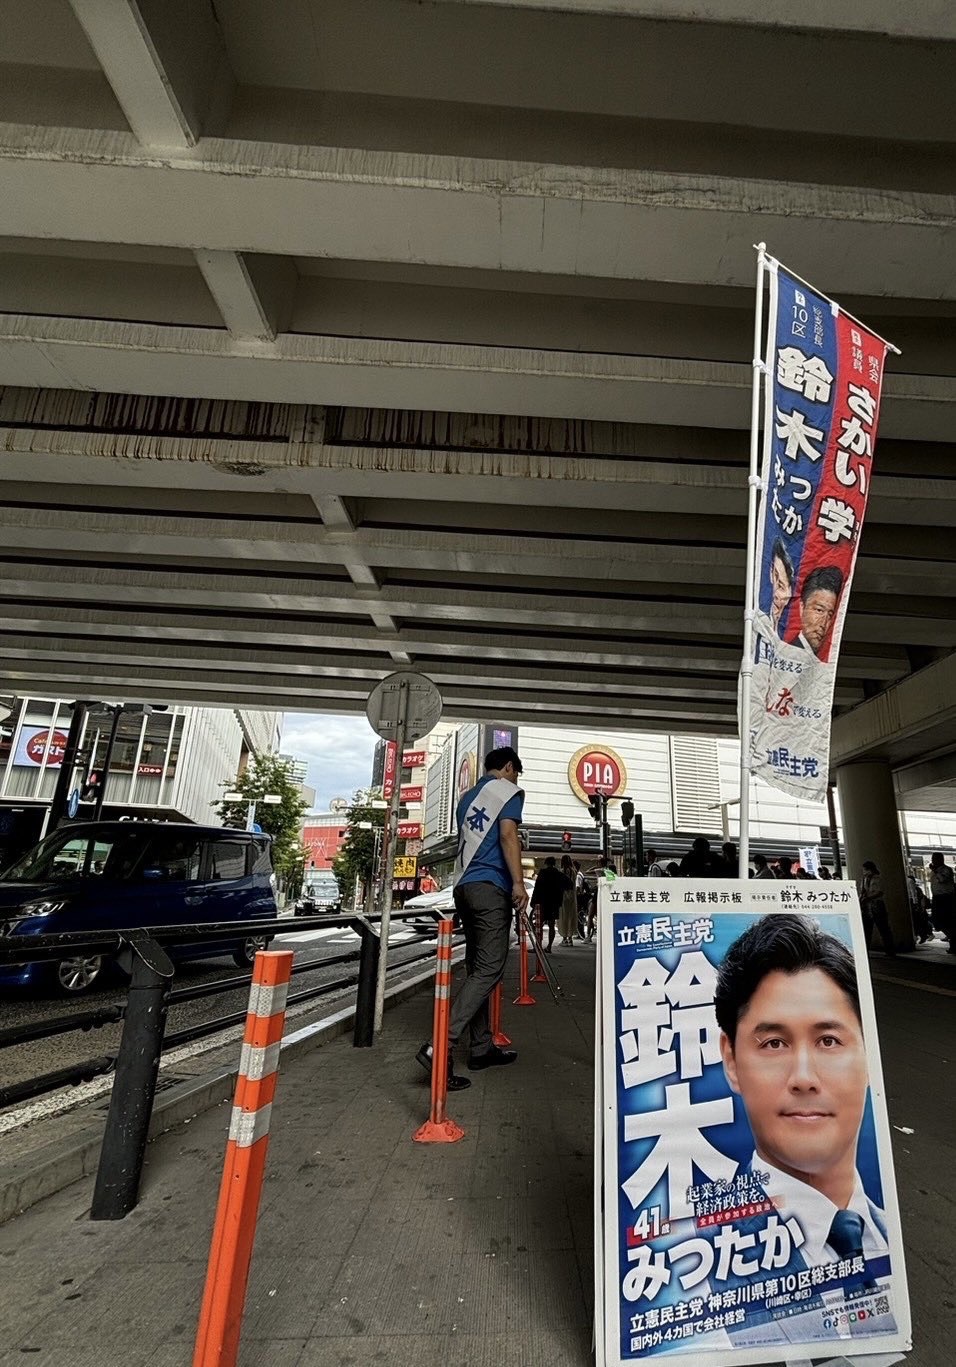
column 343, row 336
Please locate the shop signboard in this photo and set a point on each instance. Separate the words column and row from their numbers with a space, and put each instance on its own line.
column 32, row 744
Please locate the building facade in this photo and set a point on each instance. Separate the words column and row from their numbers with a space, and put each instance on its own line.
column 681, row 786
column 166, row 765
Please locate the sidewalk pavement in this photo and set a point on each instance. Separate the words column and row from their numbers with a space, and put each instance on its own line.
column 372, row 1248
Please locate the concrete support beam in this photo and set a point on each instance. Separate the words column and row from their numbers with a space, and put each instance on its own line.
column 871, row 830
column 522, row 216
column 913, row 719
column 139, row 358
column 935, row 19
column 164, row 60
column 250, row 309
column 335, row 513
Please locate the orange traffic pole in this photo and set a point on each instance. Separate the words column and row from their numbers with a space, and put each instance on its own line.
column 538, row 935
column 234, row 1231
column 498, row 1037
column 438, row 1129
column 524, row 997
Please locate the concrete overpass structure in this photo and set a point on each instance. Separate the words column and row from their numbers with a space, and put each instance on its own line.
column 340, row 335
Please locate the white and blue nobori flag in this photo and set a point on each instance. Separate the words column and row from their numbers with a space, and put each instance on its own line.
column 822, row 402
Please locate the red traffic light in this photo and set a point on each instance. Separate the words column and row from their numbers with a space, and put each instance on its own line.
column 566, row 839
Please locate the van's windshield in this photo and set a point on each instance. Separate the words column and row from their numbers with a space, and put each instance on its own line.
column 67, row 855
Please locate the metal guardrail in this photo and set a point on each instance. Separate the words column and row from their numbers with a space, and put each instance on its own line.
column 142, row 955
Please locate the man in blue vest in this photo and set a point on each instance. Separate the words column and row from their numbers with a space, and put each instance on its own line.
column 489, row 890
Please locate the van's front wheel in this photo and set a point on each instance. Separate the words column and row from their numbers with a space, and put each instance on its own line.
column 77, row 975
column 246, row 956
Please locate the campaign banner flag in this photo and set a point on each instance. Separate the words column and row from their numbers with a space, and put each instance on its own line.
column 749, row 1200
column 822, row 402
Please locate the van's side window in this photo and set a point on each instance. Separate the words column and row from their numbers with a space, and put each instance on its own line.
column 175, row 857
column 227, row 860
column 260, row 856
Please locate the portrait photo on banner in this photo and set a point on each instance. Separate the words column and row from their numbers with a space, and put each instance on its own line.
column 746, row 1148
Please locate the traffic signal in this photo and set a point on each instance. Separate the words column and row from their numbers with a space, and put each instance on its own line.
column 566, row 840
column 91, row 786
column 627, row 812
column 596, row 807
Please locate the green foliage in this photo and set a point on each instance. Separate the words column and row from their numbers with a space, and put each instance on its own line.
column 282, row 820
column 358, row 848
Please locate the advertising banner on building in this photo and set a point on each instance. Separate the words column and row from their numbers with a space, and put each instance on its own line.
column 409, row 830
column 822, row 404
column 32, row 745
column 388, row 776
column 749, row 1203
column 413, row 759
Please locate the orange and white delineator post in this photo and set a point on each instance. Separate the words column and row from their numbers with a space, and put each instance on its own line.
column 524, row 997
column 438, row 1129
column 234, row 1231
column 538, row 976
column 498, row 1038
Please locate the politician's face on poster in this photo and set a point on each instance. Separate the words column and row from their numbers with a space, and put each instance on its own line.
column 798, row 1063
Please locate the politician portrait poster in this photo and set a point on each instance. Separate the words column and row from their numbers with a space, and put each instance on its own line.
column 749, row 1198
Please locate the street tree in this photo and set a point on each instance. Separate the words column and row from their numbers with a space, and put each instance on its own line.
column 264, row 774
column 357, row 855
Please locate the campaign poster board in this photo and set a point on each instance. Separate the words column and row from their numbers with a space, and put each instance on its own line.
column 712, row 1241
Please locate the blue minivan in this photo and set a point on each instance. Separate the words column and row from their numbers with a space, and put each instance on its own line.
column 120, row 875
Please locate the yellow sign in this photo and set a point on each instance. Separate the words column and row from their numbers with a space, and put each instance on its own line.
column 406, row 866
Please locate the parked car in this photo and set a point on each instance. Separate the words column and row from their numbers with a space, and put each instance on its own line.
column 120, row 875
column 430, row 903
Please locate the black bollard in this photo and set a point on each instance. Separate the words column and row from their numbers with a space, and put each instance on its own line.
column 363, row 1036
column 137, row 1066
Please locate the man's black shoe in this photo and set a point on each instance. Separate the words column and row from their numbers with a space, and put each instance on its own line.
column 455, row 1083
column 495, row 1057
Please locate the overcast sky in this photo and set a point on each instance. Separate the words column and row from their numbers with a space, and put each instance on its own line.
column 338, row 751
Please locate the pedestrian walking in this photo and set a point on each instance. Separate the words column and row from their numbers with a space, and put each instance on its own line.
column 568, row 915
column 548, row 894
column 489, row 890
column 731, row 858
column 873, row 908
column 761, row 868
column 942, row 886
column 582, row 895
column 655, row 869
column 919, row 909
column 701, row 862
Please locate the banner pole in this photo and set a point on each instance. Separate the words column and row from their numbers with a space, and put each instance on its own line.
column 753, row 488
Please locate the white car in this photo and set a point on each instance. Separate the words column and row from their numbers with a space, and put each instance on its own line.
column 442, row 900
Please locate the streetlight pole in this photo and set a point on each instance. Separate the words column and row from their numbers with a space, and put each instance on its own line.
column 270, row 800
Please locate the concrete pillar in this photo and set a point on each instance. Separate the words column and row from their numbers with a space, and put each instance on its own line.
column 871, row 830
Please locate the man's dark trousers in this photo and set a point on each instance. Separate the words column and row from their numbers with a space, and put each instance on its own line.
column 486, row 914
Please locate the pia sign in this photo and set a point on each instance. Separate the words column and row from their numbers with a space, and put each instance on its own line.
column 596, row 769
